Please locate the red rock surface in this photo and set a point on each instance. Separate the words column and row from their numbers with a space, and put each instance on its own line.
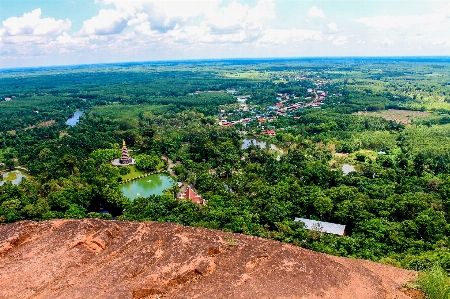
column 112, row 259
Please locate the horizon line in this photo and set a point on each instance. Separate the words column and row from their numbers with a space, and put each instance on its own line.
column 228, row 59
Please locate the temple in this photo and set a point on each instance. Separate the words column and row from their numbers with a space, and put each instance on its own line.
column 125, row 159
column 191, row 195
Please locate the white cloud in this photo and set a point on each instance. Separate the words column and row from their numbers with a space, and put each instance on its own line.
column 333, row 26
column 66, row 40
column 32, row 24
column 282, row 36
column 144, row 28
column 442, row 42
column 108, row 21
column 340, row 40
column 233, row 23
column 315, row 12
column 386, row 42
column 163, row 16
column 236, row 17
column 429, row 22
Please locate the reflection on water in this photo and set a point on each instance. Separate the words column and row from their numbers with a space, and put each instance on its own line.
column 261, row 144
column 347, row 168
column 144, row 187
column 15, row 177
column 75, row 118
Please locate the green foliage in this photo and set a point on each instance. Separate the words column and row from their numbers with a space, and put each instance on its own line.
column 396, row 205
column 75, row 212
column 147, row 162
column 103, row 216
column 435, row 283
column 124, row 170
column 105, row 155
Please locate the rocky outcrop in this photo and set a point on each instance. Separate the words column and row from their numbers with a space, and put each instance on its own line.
column 110, row 259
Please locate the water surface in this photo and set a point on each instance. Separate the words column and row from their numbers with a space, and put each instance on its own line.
column 261, row 144
column 15, row 177
column 75, row 118
column 347, row 168
column 144, row 187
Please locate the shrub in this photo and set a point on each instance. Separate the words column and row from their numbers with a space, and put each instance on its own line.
column 435, row 283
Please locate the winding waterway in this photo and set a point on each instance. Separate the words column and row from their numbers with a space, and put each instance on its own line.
column 144, row 187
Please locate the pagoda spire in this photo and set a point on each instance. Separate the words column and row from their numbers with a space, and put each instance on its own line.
column 125, row 158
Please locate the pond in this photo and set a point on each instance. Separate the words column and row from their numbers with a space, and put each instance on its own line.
column 261, row 144
column 15, row 177
column 347, row 168
column 75, row 118
column 144, row 187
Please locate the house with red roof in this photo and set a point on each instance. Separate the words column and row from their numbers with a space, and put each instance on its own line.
column 191, row 195
column 269, row 132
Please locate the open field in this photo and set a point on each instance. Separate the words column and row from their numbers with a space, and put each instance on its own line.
column 399, row 116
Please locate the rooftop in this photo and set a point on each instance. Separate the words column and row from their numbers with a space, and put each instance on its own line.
column 322, row 226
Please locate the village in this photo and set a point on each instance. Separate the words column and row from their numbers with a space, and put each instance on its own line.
column 285, row 105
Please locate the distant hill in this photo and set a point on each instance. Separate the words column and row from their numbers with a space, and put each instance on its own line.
column 113, row 259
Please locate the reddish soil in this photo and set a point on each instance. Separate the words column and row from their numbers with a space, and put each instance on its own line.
column 110, row 259
column 42, row 124
column 399, row 116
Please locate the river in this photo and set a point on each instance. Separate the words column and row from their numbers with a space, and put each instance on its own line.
column 144, row 187
column 75, row 118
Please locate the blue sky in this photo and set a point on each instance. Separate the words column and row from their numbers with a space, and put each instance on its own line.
column 60, row 32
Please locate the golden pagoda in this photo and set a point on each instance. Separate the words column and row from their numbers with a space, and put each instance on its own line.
column 125, row 158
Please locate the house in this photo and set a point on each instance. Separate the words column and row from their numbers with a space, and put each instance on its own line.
column 192, row 196
column 269, row 132
column 225, row 123
column 322, row 226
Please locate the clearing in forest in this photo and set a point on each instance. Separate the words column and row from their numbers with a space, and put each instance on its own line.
column 400, row 116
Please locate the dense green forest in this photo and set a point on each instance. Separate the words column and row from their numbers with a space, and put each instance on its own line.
column 389, row 118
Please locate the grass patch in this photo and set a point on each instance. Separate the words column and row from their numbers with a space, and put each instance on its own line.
column 435, row 283
column 134, row 172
